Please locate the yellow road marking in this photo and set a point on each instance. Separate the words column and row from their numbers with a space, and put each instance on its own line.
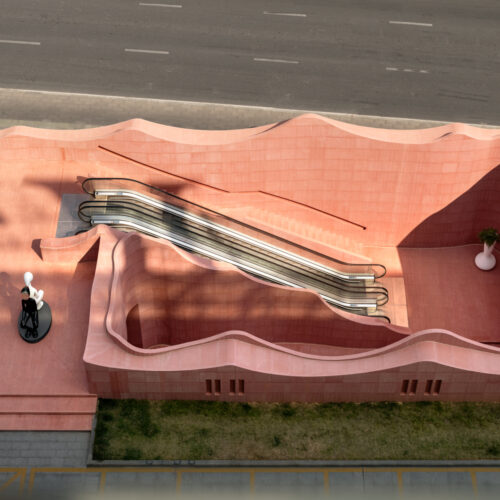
column 9, row 481
column 474, row 481
column 22, row 481
column 102, row 482
column 32, row 480
column 326, row 482
column 178, row 481
column 400, row 483
column 21, row 473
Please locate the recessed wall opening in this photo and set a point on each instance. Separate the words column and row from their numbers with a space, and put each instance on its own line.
column 428, row 386
column 437, row 387
column 404, row 387
column 433, row 387
column 413, row 387
column 208, row 386
column 409, row 387
column 217, row 386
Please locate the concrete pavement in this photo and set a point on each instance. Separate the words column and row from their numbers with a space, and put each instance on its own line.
column 60, row 110
column 254, row 482
column 54, row 464
column 44, row 448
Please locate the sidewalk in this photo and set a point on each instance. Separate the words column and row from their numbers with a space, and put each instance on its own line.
column 255, row 482
column 59, row 110
column 39, row 464
column 42, row 464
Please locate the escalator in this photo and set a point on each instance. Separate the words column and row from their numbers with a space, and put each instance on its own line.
column 130, row 205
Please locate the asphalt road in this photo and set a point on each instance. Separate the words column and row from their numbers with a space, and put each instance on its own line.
column 418, row 58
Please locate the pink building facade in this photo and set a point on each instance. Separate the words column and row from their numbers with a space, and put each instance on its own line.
column 152, row 321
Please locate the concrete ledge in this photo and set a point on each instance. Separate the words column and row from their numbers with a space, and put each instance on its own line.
column 298, row 463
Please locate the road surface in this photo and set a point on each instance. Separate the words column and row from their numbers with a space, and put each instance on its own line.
column 417, row 59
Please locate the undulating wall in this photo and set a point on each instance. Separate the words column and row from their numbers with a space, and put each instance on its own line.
column 333, row 186
column 164, row 296
column 311, row 171
column 461, row 220
column 338, row 186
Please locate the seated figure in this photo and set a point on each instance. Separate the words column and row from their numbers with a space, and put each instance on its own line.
column 35, row 294
column 29, row 314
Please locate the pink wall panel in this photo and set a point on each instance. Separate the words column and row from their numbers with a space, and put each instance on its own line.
column 179, row 301
column 387, row 385
column 386, row 184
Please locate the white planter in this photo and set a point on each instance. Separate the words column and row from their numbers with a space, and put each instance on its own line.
column 486, row 260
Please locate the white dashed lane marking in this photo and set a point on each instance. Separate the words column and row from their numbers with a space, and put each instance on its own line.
column 407, row 70
column 146, row 51
column 409, row 23
column 263, row 59
column 172, row 6
column 289, row 14
column 20, row 42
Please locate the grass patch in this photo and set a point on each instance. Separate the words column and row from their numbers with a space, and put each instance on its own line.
column 196, row 430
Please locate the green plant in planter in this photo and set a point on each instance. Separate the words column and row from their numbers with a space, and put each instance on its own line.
column 489, row 236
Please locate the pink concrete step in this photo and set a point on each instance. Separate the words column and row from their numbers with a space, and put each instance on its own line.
column 42, row 412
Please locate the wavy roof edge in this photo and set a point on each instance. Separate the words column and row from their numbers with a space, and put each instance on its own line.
column 429, row 346
column 221, row 137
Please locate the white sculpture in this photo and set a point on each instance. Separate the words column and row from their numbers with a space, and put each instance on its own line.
column 486, row 260
column 35, row 294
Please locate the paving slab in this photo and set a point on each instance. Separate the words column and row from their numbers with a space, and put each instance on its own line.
column 381, row 484
column 140, row 481
column 44, row 449
column 63, row 484
column 346, row 482
column 488, row 484
column 215, row 482
column 456, row 483
column 295, row 483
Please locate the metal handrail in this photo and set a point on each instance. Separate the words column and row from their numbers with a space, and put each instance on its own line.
column 100, row 211
column 101, row 184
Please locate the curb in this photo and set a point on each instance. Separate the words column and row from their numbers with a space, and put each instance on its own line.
column 298, row 463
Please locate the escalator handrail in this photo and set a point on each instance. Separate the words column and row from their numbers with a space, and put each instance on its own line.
column 180, row 212
column 139, row 211
column 124, row 221
column 161, row 193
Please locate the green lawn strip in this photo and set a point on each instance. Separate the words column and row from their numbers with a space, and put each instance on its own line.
column 206, row 430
